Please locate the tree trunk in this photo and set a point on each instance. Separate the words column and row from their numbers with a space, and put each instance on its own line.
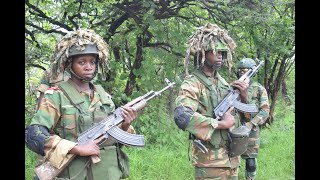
column 276, row 87
column 136, row 65
column 284, row 90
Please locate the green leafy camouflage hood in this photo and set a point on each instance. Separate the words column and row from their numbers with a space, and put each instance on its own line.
column 79, row 38
column 205, row 38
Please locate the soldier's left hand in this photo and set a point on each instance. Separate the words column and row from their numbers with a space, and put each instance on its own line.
column 129, row 114
column 242, row 86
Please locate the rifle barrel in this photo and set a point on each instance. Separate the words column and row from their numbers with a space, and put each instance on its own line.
column 159, row 92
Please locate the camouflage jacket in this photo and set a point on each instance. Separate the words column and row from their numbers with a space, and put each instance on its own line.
column 65, row 123
column 257, row 95
column 195, row 95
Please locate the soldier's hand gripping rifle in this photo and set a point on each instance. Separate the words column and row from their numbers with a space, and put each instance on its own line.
column 102, row 130
column 231, row 99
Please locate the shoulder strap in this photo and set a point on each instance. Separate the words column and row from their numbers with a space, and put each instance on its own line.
column 199, row 74
column 103, row 95
column 223, row 81
column 73, row 95
column 205, row 81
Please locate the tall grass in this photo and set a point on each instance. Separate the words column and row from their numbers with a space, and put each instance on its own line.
column 160, row 163
column 168, row 160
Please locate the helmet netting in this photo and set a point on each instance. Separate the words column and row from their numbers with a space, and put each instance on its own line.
column 205, row 38
column 79, row 38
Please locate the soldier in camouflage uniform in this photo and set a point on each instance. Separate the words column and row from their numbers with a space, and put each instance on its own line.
column 257, row 95
column 55, row 127
column 200, row 93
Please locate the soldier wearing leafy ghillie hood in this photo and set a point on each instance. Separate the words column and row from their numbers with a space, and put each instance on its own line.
column 71, row 107
column 200, row 93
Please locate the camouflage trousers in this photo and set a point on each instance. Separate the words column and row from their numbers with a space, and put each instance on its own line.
column 216, row 173
column 252, row 150
column 253, row 144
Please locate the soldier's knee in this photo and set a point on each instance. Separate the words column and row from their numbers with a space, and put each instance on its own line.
column 251, row 164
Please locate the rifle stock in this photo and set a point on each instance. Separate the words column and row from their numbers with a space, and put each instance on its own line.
column 102, row 130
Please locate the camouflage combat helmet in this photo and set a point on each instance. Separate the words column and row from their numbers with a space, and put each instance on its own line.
column 88, row 49
column 209, row 37
column 247, row 63
column 79, row 42
column 221, row 47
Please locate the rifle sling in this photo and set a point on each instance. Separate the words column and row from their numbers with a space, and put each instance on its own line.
column 205, row 81
column 73, row 95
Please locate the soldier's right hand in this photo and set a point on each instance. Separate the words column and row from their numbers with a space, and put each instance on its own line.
column 227, row 120
column 88, row 149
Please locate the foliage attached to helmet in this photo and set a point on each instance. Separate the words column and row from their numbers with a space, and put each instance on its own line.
column 247, row 63
column 206, row 38
column 79, row 42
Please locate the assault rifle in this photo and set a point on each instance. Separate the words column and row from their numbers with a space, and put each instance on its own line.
column 105, row 128
column 232, row 96
column 231, row 99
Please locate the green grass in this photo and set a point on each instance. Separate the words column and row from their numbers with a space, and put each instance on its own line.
column 30, row 162
column 160, row 163
column 169, row 160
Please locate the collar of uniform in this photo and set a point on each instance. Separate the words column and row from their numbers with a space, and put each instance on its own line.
column 77, row 87
column 215, row 74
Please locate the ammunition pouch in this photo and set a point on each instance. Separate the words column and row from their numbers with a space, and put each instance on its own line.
column 239, row 141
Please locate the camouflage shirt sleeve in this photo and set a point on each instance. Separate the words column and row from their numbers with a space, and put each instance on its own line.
column 264, row 107
column 199, row 125
column 56, row 149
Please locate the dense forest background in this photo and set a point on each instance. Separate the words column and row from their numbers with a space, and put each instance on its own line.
column 147, row 41
column 147, row 38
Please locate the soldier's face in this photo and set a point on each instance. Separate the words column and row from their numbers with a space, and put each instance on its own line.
column 214, row 58
column 242, row 71
column 84, row 65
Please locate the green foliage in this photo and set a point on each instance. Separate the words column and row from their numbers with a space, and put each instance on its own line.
column 30, row 162
column 157, row 126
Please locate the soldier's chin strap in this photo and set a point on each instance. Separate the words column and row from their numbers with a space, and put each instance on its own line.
column 81, row 78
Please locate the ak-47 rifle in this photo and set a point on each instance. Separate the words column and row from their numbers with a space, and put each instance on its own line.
column 231, row 99
column 105, row 128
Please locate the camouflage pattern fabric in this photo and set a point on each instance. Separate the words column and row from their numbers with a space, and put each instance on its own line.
column 257, row 94
column 202, row 173
column 202, row 125
column 65, row 124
